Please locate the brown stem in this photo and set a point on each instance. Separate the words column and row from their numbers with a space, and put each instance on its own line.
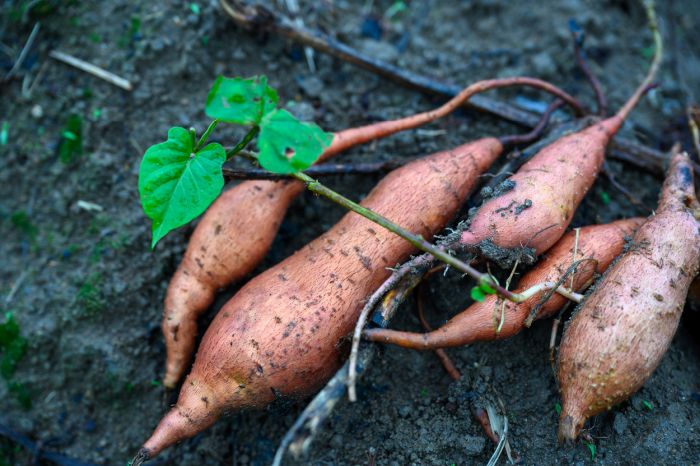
column 578, row 38
column 440, row 353
column 536, row 131
column 317, row 171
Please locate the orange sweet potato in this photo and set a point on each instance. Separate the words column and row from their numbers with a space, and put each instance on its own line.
column 237, row 231
column 545, row 192
column 281, row 334
column 479, row 322
column 624, row 327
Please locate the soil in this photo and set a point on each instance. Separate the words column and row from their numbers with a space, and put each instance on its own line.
column 87, row 291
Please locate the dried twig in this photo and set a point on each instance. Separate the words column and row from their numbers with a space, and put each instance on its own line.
column 442, row 355
column 24, row 52
column 317, row 171
column 579, row 37
column 92, row 69
column 616, row 184
column 37, row 452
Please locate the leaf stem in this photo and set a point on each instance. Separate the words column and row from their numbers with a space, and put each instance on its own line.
column 243, row 142
column 205, row 136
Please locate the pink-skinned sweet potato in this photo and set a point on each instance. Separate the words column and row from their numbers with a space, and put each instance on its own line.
column 622, row 330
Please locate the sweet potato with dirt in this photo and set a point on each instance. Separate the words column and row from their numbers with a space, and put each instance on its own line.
column 622, row 330
column 537, row 203
column 282, row 334
column 480, row 321
column 237, row 231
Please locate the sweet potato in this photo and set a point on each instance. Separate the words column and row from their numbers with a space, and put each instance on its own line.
column 624, row 327
column 540, row 199
column 238, row 229
column 479, row 322
column 281, row 334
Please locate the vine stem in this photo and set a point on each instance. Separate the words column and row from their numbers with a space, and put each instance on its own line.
column 243, row 142
column 419, row 242
column 205, row 136
column 416, row 240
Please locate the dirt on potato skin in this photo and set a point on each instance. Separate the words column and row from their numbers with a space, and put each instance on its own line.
column 90, row 295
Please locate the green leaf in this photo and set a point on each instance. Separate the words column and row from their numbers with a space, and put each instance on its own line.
column 287, row 145
column 9, row 331
column 557, row 408
column 591, row 448
column 11, row 356
column 477, row 294
column 19, row 390
column 175, row 184
column 239, row 100
column 71, row 146
column 485, row 284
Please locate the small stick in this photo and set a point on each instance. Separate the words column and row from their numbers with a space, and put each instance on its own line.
column 630, row 197
column 693, row 113
column 440, row 353
column 573, row 259
column 37, row 452
column 326, row 169
column 579, row 37
column 537, row 130
column 92, row 69
column 24, row 52
column 362, row 319
column 553, row 335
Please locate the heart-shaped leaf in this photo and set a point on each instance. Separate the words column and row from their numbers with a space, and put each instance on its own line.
column 241, row 101
column 287, row 145
column 175, row 184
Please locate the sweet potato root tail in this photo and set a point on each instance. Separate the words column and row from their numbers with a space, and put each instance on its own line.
column 343, row 140
column 142, row 456
column 569, row 428
column 195, row 411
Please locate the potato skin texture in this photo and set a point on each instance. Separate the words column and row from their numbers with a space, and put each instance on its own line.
column 232, row 238
column 480, row 320
column 623, row 329
column 282, row 333
column 548, row 189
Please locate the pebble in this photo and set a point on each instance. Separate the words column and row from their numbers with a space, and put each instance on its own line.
column 37, row 112
column 472, row 445
column 543, row 64
column 312, row 86
column 620, row 423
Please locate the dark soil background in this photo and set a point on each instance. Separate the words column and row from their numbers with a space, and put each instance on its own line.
column 87, row 291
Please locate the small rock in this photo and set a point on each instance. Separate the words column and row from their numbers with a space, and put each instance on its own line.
column 337, row 441
column 312, row 86
column 472, row 445
column 379, row 50
column 304, row 111
column 37, row 112
column 404, row 411
column 620, row 423
column 543, row 64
